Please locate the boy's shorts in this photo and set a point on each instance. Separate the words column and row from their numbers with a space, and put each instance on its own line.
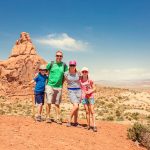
column 75, row 96
column 88, row 101
column 53, row 95
column 39, row 98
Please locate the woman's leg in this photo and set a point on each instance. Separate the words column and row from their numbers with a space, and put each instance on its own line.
column 73, row 111
column 87, row 109
column 76, row 115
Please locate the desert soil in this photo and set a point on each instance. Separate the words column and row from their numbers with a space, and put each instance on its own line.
column 23, row 133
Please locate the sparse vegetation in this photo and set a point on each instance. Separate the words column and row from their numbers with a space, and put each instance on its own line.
column 140, row 133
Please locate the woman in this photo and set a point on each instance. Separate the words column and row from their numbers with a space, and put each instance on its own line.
column 74, row 91
column 88, row 88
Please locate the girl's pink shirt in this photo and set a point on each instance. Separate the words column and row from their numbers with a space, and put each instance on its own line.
column 86, row 86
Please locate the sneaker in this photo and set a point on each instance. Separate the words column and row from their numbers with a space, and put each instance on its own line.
column 77, row 125
column 58, row 121
column 48, row 120
column 88, row 127
column 95, row 129
column 38, row 118
column 68, row 124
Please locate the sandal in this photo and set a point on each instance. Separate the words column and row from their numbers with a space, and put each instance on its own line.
column 95, row 129
column 58, row 121
column 68, row 124
column 48, row 120
column 38, row 118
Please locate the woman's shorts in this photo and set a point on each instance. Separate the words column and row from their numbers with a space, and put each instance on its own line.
column 88, row 101
column 39, row 98
column 75, row 96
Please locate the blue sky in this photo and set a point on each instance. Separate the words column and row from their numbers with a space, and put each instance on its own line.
column 111, row 37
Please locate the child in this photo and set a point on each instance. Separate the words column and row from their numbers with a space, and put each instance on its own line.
column 39, row 89
column 88, row 88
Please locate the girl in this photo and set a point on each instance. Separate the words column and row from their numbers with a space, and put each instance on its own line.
column 88, row 88
column 74, row 91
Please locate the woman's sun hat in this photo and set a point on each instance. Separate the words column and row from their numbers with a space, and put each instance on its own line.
column 72, row 62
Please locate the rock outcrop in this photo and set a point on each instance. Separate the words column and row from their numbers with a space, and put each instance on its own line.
column 19, row 69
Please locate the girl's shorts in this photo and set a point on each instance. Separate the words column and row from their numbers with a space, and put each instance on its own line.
column 88, row 101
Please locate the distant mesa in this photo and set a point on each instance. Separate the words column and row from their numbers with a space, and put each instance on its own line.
column 19, row 69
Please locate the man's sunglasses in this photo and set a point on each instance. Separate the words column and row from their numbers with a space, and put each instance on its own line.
column 59, row 56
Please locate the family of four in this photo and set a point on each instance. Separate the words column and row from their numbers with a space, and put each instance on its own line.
column 80, row 89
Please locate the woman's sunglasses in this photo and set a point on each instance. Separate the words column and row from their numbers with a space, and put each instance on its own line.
column 72, row 65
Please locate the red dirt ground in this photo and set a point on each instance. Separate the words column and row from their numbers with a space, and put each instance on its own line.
column 20, row 133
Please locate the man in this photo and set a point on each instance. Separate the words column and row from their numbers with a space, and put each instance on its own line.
column 54, row 85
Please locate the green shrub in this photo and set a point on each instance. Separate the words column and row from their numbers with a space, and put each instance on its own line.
column 135, row 116
column 110, row 118
column 140, row 133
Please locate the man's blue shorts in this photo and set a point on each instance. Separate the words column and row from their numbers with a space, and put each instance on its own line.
column 39, row 98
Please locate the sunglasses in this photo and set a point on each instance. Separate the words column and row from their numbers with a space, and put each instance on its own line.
column 72, row 65
column 84, row 71
column 60, row 56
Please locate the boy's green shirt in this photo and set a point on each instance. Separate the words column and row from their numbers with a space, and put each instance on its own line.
column 56, row 74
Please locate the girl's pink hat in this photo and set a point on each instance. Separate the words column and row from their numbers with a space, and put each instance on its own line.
column 72, row 62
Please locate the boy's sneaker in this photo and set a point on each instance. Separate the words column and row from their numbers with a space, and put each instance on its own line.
column 95, row 129
column 68, row 124
column 58, row 121
column 38, row 118
column 48, row 120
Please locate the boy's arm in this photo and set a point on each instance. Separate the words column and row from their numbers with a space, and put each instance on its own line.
column 31, row 82
column 34, row 80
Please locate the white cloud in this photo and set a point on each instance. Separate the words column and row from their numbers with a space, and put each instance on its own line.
column 121, row 74
column 63, row 41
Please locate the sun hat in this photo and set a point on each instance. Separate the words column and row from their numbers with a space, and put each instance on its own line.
column 42, row 67
column 84, row 69
column 72, row 62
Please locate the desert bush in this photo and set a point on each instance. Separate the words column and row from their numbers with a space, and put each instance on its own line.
column 140, row 133
column 110, row 118
column 120, row 118
column 135, row 116
column 110, row 105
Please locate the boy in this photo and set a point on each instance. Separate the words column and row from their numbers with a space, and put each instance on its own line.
column 39, row 89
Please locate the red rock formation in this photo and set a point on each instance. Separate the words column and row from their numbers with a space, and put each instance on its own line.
column 19, row 69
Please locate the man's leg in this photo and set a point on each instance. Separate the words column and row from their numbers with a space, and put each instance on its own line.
column 49, row 96
column 48, row 108
column 57, row 99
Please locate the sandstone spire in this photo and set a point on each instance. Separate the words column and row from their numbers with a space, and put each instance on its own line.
column 19, row 69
